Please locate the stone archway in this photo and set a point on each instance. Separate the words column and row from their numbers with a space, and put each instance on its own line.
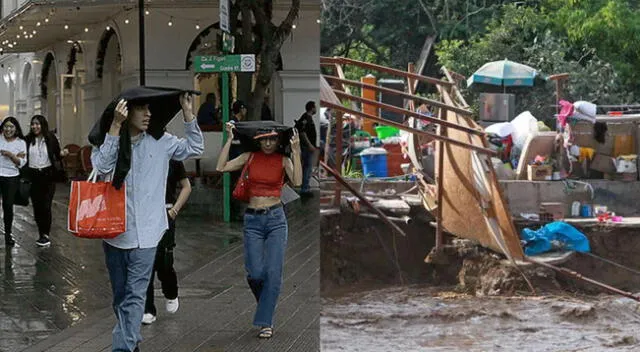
column 26, row 82
column 49, row 91
column 109, row 65
column 26, row 76
column 72, row 98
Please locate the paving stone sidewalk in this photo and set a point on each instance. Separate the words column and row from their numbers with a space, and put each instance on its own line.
column 58, row 299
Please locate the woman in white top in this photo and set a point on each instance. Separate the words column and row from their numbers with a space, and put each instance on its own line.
column 13, row 151
column 44, row 163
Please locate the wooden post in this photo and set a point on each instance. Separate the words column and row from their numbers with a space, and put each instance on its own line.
column 339, row 131
column 559, row 79
column 442, row 130
column 411, row 86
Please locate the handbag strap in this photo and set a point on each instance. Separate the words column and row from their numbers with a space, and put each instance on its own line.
column 246, row 166
column 93, row 176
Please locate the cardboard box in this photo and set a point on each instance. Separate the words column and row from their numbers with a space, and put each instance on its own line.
column 603, row 163
column 580, row 170
column 540, row 172
column 552, row 211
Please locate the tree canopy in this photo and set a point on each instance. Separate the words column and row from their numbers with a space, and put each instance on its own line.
column 596, row 41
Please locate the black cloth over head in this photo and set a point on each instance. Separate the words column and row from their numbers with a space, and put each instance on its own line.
column 247, row 130
column 164, row 104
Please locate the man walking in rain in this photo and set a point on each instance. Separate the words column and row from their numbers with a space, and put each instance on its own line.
column 130, row 142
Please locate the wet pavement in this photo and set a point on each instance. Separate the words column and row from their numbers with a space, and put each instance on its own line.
column 58, row 298
column 425, row 319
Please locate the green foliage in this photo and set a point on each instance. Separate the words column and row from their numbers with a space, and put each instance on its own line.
column 611, row 27
column 348, row 170
column 596, row 41
column 523, row 35
column 394, row 31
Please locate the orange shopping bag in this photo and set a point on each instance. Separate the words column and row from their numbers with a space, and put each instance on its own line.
column 97, row 209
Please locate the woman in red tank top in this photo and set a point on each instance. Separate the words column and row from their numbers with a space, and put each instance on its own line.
column 265, row 223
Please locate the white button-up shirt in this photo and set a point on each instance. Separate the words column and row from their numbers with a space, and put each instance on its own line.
column 146, row 181
column 7, row 166
column 38, row 154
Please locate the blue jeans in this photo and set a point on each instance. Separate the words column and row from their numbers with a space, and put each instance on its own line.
column 307, row 168
column 129, row 272
column 265, row 241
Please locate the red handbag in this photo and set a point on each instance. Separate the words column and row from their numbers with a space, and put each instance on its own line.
column 241, row 191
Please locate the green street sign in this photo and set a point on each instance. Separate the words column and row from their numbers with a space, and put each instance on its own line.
column 227, row 63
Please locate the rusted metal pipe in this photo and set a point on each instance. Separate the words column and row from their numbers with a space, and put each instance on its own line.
column 411, row 113
column 407, row 220
column 409, row 96
column 362, row 198
column 330, row 61
column 584, row 278
column 333, row 106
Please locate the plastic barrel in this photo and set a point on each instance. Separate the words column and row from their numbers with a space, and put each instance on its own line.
column 374, row 162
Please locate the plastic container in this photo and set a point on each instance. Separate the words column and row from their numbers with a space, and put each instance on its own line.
column 575, row 209
column 599, row 210
column 585, row 211
column 387, row 131
column 394, row 159
column 361, row 140
column 374, row 162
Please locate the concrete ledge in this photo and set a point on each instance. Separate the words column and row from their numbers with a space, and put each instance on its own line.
column 526, row 196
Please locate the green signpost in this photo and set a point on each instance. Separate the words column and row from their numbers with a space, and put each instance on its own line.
column 223, row 65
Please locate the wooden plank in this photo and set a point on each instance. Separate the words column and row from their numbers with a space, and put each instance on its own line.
column 462, row 214
column 423, row 58
column 442, row 131
column 410, row 96
column 330, row 61
column 456, row 91
column 396, row 206
column 339, row 107
column 389, row 107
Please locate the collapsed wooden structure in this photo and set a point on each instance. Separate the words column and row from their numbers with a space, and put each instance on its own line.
column 466, row 199
column 465, row 196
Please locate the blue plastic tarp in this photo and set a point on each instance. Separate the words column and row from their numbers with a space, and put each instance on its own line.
column 566, row 236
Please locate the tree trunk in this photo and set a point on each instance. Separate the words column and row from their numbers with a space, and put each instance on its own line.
column 264, row 43
column 246, row 47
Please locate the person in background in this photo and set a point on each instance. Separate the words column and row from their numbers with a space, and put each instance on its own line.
column 266, row 111
column 307, row 130
column 163, row 264
column 13, row 156
column 265, row 223
column 44, row 159
column 208, row 113
column 239, row 111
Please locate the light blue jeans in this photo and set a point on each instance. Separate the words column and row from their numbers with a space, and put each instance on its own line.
column 129, row 271
column 265, row 241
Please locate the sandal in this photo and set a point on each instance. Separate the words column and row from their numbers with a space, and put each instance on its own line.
column 265, row 333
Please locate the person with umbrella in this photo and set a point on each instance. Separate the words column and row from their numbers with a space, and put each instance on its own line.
column 130, row 142
column 265, row 222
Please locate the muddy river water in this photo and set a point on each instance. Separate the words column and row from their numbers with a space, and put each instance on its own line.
column 426, row 319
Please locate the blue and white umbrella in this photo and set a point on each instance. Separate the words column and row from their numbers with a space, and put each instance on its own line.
column 504, row 73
